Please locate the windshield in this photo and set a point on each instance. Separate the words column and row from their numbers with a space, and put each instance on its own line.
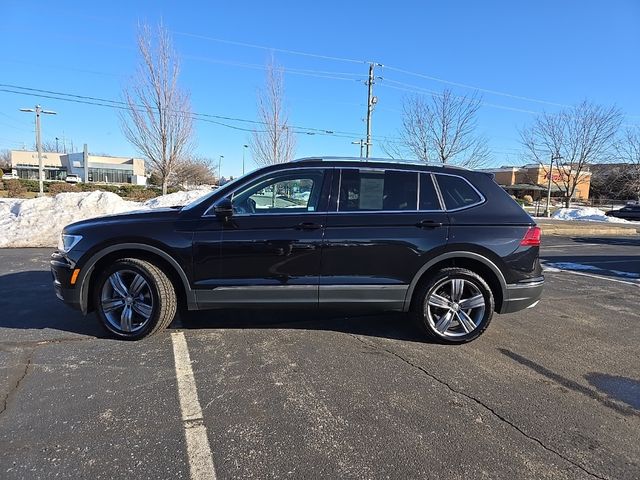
column 227, row 186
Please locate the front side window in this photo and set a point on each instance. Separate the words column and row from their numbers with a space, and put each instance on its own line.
column 372, row 190
column 284, row 193
column 457, row 192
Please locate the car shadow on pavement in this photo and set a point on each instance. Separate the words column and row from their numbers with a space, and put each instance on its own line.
column 392, row 325
column 27, row 301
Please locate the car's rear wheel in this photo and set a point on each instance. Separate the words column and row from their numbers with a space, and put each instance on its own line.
column 134, row 299
column 454, row 306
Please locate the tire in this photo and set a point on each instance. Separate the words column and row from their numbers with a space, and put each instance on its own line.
column 442, row 317
column 140, row 288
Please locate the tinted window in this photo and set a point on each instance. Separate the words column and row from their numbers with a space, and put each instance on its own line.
column 370, row 190
column 428, row 196
column 456, row 192
column 285, row 193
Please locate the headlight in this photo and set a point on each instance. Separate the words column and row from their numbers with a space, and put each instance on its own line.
column 67, row 242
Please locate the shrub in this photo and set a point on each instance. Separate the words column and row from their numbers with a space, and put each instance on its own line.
column 142, row 195
column 528, row 199
column 15, row 188
column 33, row 185
column 60, row 187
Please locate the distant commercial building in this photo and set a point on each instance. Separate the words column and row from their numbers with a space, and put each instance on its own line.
column 95, row 168
column 533, row 180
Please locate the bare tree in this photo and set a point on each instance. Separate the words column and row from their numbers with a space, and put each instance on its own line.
column 158, row 121
column 195, row 171
column 442, row 129
column 628, row 152
column 275, row 141
column 575, row 137
column 5, row 159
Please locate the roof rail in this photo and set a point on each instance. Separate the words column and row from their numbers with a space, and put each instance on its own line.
column 374, row 160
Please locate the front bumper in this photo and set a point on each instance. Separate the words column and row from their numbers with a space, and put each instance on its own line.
column 61, row 271
column 519, row 296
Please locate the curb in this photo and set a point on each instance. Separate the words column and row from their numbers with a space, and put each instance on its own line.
column 586, row 229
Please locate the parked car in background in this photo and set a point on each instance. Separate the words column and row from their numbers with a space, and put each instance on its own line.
column 631, row 211
column 10, row 176
column 445, row 244
column 72, row 178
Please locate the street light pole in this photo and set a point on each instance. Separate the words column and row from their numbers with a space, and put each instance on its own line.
column 220, row 169
column 244, row 149
column 38, row 110
column 547, row 210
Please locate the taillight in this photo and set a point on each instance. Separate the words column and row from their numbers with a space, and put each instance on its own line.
column 532, row 237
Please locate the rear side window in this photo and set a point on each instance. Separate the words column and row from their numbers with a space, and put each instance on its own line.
column 428, row 196
column 371, row 190
column 456, row 192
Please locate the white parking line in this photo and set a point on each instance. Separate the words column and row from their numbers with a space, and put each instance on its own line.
column 198, row 450
column 600, row 277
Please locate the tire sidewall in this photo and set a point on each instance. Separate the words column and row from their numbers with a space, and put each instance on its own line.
column 120, row 265
column 435, row 283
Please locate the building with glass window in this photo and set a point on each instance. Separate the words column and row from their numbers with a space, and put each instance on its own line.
column 90, row 168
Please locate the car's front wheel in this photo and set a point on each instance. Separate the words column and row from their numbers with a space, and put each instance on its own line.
column 454, row 306
column 133, row 299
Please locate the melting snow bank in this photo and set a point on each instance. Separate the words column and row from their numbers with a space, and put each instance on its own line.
column 589, row 214
column 38, row 222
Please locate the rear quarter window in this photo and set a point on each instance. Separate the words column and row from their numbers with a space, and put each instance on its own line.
column 457, row 192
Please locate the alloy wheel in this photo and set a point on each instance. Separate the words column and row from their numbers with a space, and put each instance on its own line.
column 126, row 301
column 455, row 307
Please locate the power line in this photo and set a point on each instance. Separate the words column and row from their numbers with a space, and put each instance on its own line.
column 415, row 89
column 117, row 104
column 474, row 87
column 267, row 48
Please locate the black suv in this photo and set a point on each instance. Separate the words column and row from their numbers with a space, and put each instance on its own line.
column 631, row 211
column 446, row 244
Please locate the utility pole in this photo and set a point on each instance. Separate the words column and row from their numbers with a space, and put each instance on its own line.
column 244, row 149
column 547, row 210
column 371, row 102
column 220, row 169
column 361, row 143
column 38, row 111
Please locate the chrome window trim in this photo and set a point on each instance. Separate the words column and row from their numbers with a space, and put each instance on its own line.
column 482, row 197
column 242, row 185
column 443, row 208
column 418, row 192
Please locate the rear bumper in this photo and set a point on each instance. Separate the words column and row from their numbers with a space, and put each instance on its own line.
column 519, row 296
column 61, row 271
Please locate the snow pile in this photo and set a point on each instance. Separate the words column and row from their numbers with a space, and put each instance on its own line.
column 174, row 199
column 38, row 222
column 588, row 214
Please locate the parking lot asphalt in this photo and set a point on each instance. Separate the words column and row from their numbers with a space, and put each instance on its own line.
column 550, row 392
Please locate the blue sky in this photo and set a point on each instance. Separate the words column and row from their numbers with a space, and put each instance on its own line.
column 524, row 57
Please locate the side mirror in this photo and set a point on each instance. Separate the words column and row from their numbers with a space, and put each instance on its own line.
column 223, row 208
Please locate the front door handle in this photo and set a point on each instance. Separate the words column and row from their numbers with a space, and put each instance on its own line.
column 308, row 226
column 428, row 224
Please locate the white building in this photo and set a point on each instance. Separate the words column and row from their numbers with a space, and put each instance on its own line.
column 95, row 168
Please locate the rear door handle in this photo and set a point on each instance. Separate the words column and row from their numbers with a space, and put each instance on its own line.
column 428, row 224
column 308, row 226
